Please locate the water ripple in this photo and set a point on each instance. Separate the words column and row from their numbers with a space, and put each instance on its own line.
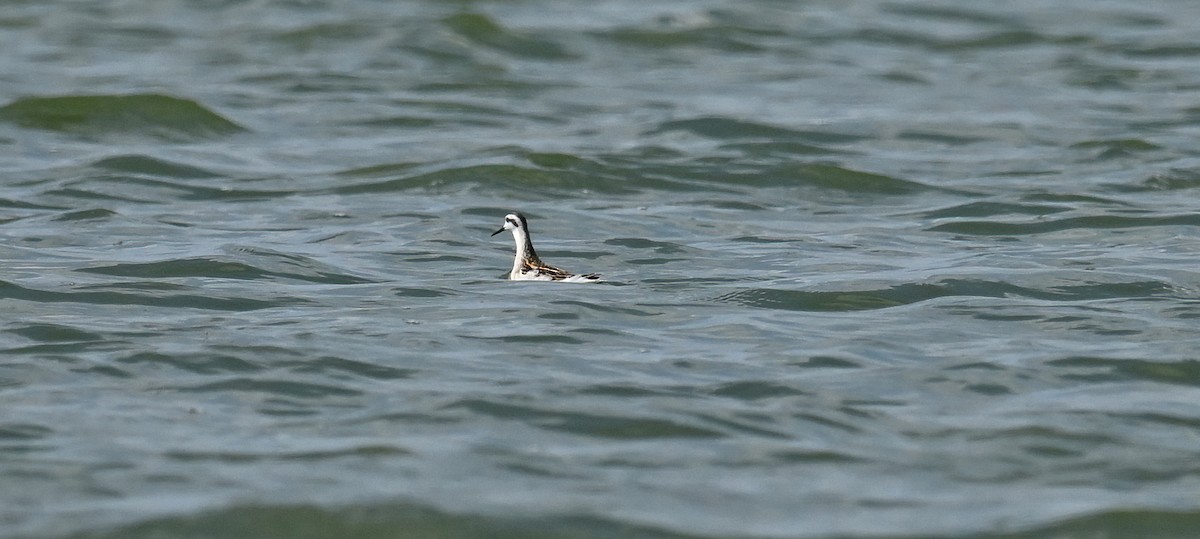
column 485, row 31
column 114, row 295
column 912, row 293
column 1090, row 222
column 267, row 265
column 273, row 387
column 152, row 115
column 589, row 424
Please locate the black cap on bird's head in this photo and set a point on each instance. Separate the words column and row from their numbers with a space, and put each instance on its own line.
column 511, row 221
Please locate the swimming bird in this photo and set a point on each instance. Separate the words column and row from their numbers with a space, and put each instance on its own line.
column 527, row 266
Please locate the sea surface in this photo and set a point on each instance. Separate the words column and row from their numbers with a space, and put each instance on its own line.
column 874, row 269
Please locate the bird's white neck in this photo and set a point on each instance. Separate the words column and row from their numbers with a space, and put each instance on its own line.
column 524, row 248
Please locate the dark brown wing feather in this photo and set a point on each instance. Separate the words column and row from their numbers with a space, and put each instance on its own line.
column 554, row 273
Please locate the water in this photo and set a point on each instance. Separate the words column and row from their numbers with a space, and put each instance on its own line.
column 875, row 269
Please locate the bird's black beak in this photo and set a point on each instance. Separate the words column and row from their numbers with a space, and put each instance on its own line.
column 498, row 231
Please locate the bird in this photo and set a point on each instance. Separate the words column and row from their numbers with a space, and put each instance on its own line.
column 526, row 265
